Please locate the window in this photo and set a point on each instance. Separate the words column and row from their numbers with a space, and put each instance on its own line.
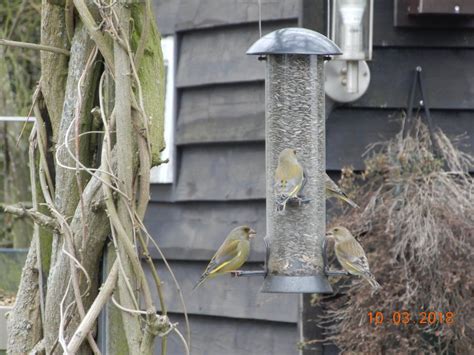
column 164, row 174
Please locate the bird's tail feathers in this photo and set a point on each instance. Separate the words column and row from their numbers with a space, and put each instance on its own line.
column 346, row 199
column 280, row 207
column 373, row 282
column 201, row 281
column 281, row 201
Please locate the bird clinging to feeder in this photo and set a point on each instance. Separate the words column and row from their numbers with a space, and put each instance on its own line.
column 332, row 190
column 231, row 255
column 289, row 178
column 350, row 254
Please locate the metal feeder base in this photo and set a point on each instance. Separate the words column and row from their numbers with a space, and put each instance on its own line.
column 296, row 284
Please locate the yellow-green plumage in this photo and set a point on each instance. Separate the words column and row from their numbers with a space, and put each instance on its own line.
column 332, row 190
column 351, row 255
column 231, row 255
column 289, row 177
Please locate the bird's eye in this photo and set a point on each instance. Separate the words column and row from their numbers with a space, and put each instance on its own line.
column 336, row 229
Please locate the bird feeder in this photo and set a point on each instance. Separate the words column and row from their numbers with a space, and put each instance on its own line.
column 295, row 118
column 351, row 25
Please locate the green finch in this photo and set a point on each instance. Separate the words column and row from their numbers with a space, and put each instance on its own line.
column 289, row 178
column 332, row 190
column 231, row 255
column 350, row 254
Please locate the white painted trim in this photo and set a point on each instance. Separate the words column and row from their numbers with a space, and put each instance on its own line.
column 17, row 119
column 164, row 174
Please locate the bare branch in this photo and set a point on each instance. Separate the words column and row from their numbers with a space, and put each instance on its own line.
column 88, row 322
column 37, row 217
column 38, row 47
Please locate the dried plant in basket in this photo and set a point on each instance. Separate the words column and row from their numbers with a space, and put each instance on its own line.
column 416, row 224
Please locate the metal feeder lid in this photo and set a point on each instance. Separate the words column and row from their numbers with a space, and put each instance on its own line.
column 294, row 40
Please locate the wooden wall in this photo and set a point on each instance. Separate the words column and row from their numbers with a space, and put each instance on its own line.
column 220, row 176
column 446, row 56
column 220, row 144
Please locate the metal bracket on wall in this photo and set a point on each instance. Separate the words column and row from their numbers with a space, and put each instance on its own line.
column 337, row 79
column 449, row 14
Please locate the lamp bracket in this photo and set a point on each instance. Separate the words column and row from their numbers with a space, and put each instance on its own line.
column 336, row 81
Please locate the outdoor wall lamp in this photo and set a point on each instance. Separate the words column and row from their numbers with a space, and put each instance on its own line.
column 348, row 76
column 295, row 118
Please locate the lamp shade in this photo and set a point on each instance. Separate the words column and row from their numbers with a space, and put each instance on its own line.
column 351, row 28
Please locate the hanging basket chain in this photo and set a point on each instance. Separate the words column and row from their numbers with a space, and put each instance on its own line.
column 423, row 105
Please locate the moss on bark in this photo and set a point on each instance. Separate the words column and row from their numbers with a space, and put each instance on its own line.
column 151, row 74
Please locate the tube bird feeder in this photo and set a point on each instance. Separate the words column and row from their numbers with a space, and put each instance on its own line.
column 295, row 118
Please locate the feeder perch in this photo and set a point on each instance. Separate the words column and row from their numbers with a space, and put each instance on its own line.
column 327, row 270
column 295, row 118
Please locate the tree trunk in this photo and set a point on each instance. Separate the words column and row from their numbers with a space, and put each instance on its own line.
column 78, row 102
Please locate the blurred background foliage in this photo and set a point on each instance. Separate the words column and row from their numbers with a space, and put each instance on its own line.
column 20, row 20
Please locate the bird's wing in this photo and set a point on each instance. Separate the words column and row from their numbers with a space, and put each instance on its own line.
column 304, row 180
column 288, row 187
column 361, row 263
column 335, row 191
column 332, row 186
column 357, row 258
column 228, row 251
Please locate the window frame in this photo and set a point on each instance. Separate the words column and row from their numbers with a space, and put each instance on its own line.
column 165, row 173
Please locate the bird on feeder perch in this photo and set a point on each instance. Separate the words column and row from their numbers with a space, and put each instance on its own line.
column 351, row 255
column 231, row 255
column 332, row 190
column 290, row 178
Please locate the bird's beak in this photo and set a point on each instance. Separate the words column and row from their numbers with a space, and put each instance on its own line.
column 329, row 235
column 252, row 234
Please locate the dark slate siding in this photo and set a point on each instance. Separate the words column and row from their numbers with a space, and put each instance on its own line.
column 443, row 68
column 195, row 14
column 446, row 56
column 222, row 113
column 183, row 228
column 165, row 13
column 220, row 150
column 217, row 55
column 351, row 130
column 226, row 297
column 220, row 177
column 229, row 336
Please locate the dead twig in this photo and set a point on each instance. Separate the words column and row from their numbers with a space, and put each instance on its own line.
column 88, row 321
column 38, row 47
column 37, row 217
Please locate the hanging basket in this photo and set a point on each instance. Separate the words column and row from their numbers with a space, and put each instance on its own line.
column 417, row 227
